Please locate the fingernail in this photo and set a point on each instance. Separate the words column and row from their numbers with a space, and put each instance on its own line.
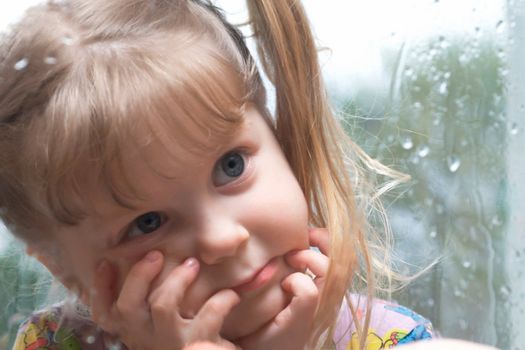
column 190, row 262
column 153, row 256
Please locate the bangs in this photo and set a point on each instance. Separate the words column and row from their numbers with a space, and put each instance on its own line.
column 118, row 100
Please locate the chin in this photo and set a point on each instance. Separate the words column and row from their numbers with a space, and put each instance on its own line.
column 253, row 313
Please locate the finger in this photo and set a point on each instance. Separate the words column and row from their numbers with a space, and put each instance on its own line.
column 164, row 301
column 210, row 318
column 134, row 292
column 290, row 328
column 301, row 260
column 305, row 295
column 319, row 238
column 102, row 295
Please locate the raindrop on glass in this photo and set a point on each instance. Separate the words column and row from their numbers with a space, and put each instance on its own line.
column 407, row 143
column 499, row 26
column 504, row 291
column 496, row 221
column 423, row 151
column 433, row 234
column 443, row 43
column 453, row 163
column 50, row 60
column 466, row 264
column 430, row 302
column 67, row 40
column 463, row 58
column 443, row 88
column 90, row 339
column 417, row 105
column 115, row 346
column 447, row 75
column 409, row 72
column 514, row 129
column 21, row 64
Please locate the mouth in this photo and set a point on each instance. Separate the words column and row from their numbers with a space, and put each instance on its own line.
column 259, row 279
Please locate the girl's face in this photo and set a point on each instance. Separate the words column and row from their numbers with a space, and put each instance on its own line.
column 237, row 209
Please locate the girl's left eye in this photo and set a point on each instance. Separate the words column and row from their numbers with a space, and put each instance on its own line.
column 228, row 168
column 145, row 224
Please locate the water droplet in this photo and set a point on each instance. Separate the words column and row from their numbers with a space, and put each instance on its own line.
column 443, row 89
column 504, row 291
column 409, row 72
column 90, row 339
column 67, row 40
column 457, row 293
column 407, row 143
column 21, row 64
column 514, row 129
column 466, row 264
column 417, row 105
column 433, row 234
column 496, row 221
column 430, row 302
column 463, row 58
column 115, row 346
column 447, row 75
column 50, row 60
column 423, row 151
column 499, row 26
column 453, row 163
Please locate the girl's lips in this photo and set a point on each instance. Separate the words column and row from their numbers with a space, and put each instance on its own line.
column 260, row 278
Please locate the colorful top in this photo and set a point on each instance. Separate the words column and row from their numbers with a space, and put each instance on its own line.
column 390, row 325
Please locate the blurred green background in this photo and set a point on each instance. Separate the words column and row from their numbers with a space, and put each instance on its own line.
column 444, row 104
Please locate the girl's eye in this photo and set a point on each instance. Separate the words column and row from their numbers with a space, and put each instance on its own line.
column 228, row 168
column 145, row 224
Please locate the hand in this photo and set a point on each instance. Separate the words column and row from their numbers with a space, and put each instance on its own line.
column 290, row 329
column 148, row 318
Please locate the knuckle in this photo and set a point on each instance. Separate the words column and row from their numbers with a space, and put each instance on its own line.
column 161, row 308
column 124, row 308
column 214, row 307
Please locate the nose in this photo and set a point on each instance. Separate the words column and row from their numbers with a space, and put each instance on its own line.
column 219, row 238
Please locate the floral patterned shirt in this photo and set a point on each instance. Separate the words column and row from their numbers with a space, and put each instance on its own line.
column 390, row 325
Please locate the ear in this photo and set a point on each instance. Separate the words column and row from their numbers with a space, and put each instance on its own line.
column 46, row 260
column 53, row 265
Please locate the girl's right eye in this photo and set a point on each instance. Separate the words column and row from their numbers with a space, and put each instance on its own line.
column 145, row 224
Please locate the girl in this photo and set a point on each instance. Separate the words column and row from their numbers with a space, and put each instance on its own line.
column 141, row 166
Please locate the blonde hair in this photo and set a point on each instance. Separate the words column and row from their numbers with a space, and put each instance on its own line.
column 78, row 78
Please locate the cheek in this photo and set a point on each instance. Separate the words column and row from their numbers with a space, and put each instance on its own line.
column 285, row 209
